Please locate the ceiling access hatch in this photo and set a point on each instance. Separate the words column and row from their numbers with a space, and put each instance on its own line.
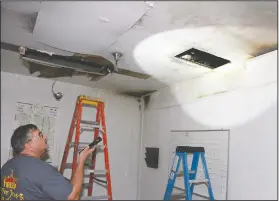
column 202, row 58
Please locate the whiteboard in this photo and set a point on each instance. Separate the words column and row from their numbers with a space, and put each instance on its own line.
column 216, row 145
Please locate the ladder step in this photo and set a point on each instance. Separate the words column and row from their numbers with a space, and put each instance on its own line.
column 99, row 175
column 89, row 122
column 198, row 181
column 181, row 173
column 202, row 196
column 90, row 128
column 88, row 105
column 87, row 174
column 178, row 188
column 90, row 125
column 87, row 170
column 177, row 196
column 68, row 165
column 189, row 149
column 97, row 197
column 86, row 185
column 96, row 172
column 82, row 145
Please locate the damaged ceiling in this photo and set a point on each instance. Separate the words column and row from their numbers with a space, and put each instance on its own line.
column 51, row 65
column 148, row 34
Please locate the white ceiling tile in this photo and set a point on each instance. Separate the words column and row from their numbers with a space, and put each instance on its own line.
column 76, row 26
column 27, row 7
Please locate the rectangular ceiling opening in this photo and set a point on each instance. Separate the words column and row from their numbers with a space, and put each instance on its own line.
column 202, row 58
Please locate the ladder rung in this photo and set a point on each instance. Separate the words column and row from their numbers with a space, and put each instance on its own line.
column 198, row 181
column 176, row 196
column 189, row 149
column 89, row 122
column 202, row 196
column 91, row 129
column 97, row 197
column 183, row 195
column 90, row 125
column 90, row 102
column 86, row 185
column 87, row 128
column 178, row 188
column 68, row 165
column 95, row 175
column 88, row 171
column 99, row 148
column 82, row 145
column 89, row 105
column 181, row 173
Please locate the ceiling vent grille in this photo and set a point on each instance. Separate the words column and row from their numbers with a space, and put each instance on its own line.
column 202, row 58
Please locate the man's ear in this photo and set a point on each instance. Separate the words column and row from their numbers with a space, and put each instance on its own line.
column 27, row 146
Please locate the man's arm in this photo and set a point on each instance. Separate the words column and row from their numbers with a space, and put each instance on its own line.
column 56, row 185
column 77, row 178
column 76, row 181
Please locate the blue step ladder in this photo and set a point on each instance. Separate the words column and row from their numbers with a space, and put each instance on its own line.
column 189, row 175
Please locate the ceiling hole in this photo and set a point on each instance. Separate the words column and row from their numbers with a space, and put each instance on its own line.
column 202, row 58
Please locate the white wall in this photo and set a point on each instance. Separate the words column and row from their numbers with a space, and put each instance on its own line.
column 122, row 119
column 243, row 100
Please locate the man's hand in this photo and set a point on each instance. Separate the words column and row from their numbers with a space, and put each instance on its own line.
column 85, row 153
column 77, row 178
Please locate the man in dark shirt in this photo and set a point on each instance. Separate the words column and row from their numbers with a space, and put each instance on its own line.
column 27, row 177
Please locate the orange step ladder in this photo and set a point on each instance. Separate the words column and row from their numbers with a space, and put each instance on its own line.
column 99, row 127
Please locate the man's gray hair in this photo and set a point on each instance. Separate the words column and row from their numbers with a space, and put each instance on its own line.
column 20, row 136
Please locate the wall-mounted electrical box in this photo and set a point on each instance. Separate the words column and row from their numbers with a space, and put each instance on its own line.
column 152, row 157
